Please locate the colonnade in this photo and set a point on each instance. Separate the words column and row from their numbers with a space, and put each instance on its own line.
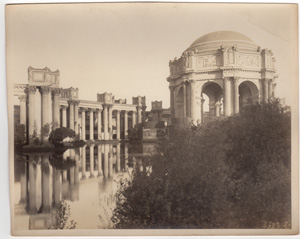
column 189, row 104
column 43, row 186
column 46, row 102
column 73, row 114
column 102, row 120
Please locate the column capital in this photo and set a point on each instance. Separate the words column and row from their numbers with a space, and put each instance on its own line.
column 98, row 110
column 31, row 89
column 83, row 109
column 236, row 78
column 45, row 89
column 227, row 78
column 171, row 87
column 191, row 81
column 107, row 105
column 75, row 102
column 91, row 109
column 56, row 91
column 22, row 98
column 64, row 106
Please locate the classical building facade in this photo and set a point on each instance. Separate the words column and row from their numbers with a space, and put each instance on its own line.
column 157, row 115
column 226, row 66
column 44, row 103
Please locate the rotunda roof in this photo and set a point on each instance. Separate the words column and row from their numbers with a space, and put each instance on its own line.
column 215, row 39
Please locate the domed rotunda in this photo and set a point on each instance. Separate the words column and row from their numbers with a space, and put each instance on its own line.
column 227, row 67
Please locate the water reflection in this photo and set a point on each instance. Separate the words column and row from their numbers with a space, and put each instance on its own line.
column 78, row 185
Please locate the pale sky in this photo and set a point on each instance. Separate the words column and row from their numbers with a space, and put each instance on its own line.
column 125, row 48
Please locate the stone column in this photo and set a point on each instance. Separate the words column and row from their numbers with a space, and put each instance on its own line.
column 126, row 156
column 139, row 114
column 72, row 168
column 144, row 113
column 71, row 115
column 125, row 124
column 193, row 100
column 76, row 105
column 236, row 96
column 83, row 163
column 83, row 134
column 45, row 90
column 105, row 118
column 184, row 99
column 227, row 96
column 91, row 124
column 56, row 116
column 110, row 122
column 64, row 115
column 212, row 108
column 92, row 161
column 22, row 99
column 202, row 109
column 100, row 173
column 32, row 185
column 77, row 159
column 118, row 125
column 118, row 158
column 133, row 119
column 218, row 108
column 56, row 186
column 105, row 165
column 72, row 174
column 270, row 88
column 110, row 161
column 99, row 124
column 188, row 100
column 31, row 112
column 23, row 183
column 45, row 184
column 172, row 101
column 266, row 90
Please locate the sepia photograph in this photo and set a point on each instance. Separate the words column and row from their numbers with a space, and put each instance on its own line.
column 153, row 119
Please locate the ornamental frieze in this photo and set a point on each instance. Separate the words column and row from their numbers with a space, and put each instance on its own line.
column 206, row 61
column 246, row 60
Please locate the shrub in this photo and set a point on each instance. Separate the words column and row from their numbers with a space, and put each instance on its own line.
column 233, row 173
column 59, row 134
column 20, row 134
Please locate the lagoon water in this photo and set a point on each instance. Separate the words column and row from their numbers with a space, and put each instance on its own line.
column 74, row 187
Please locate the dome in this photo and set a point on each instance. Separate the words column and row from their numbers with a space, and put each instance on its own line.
column 216, row 39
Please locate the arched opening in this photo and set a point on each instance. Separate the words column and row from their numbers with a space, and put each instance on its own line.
column 212, row 100
column 249, row 94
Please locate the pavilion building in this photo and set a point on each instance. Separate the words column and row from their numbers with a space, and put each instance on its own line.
column 227, row 67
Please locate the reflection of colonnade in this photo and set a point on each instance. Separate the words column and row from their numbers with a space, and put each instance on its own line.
column 46, row 106
column 228, row 68
column 46, row 181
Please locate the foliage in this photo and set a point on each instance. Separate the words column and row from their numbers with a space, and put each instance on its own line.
column 20, row 134
column 233, row 173
column 45, row 130
column 59, row 134
column 136, row 133
column 62, row 216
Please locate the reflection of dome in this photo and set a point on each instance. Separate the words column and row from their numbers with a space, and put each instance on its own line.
column 216, row 39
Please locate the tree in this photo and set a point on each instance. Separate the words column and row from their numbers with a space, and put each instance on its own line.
column 233, row 173
column 20, row 134
column 58, row 135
